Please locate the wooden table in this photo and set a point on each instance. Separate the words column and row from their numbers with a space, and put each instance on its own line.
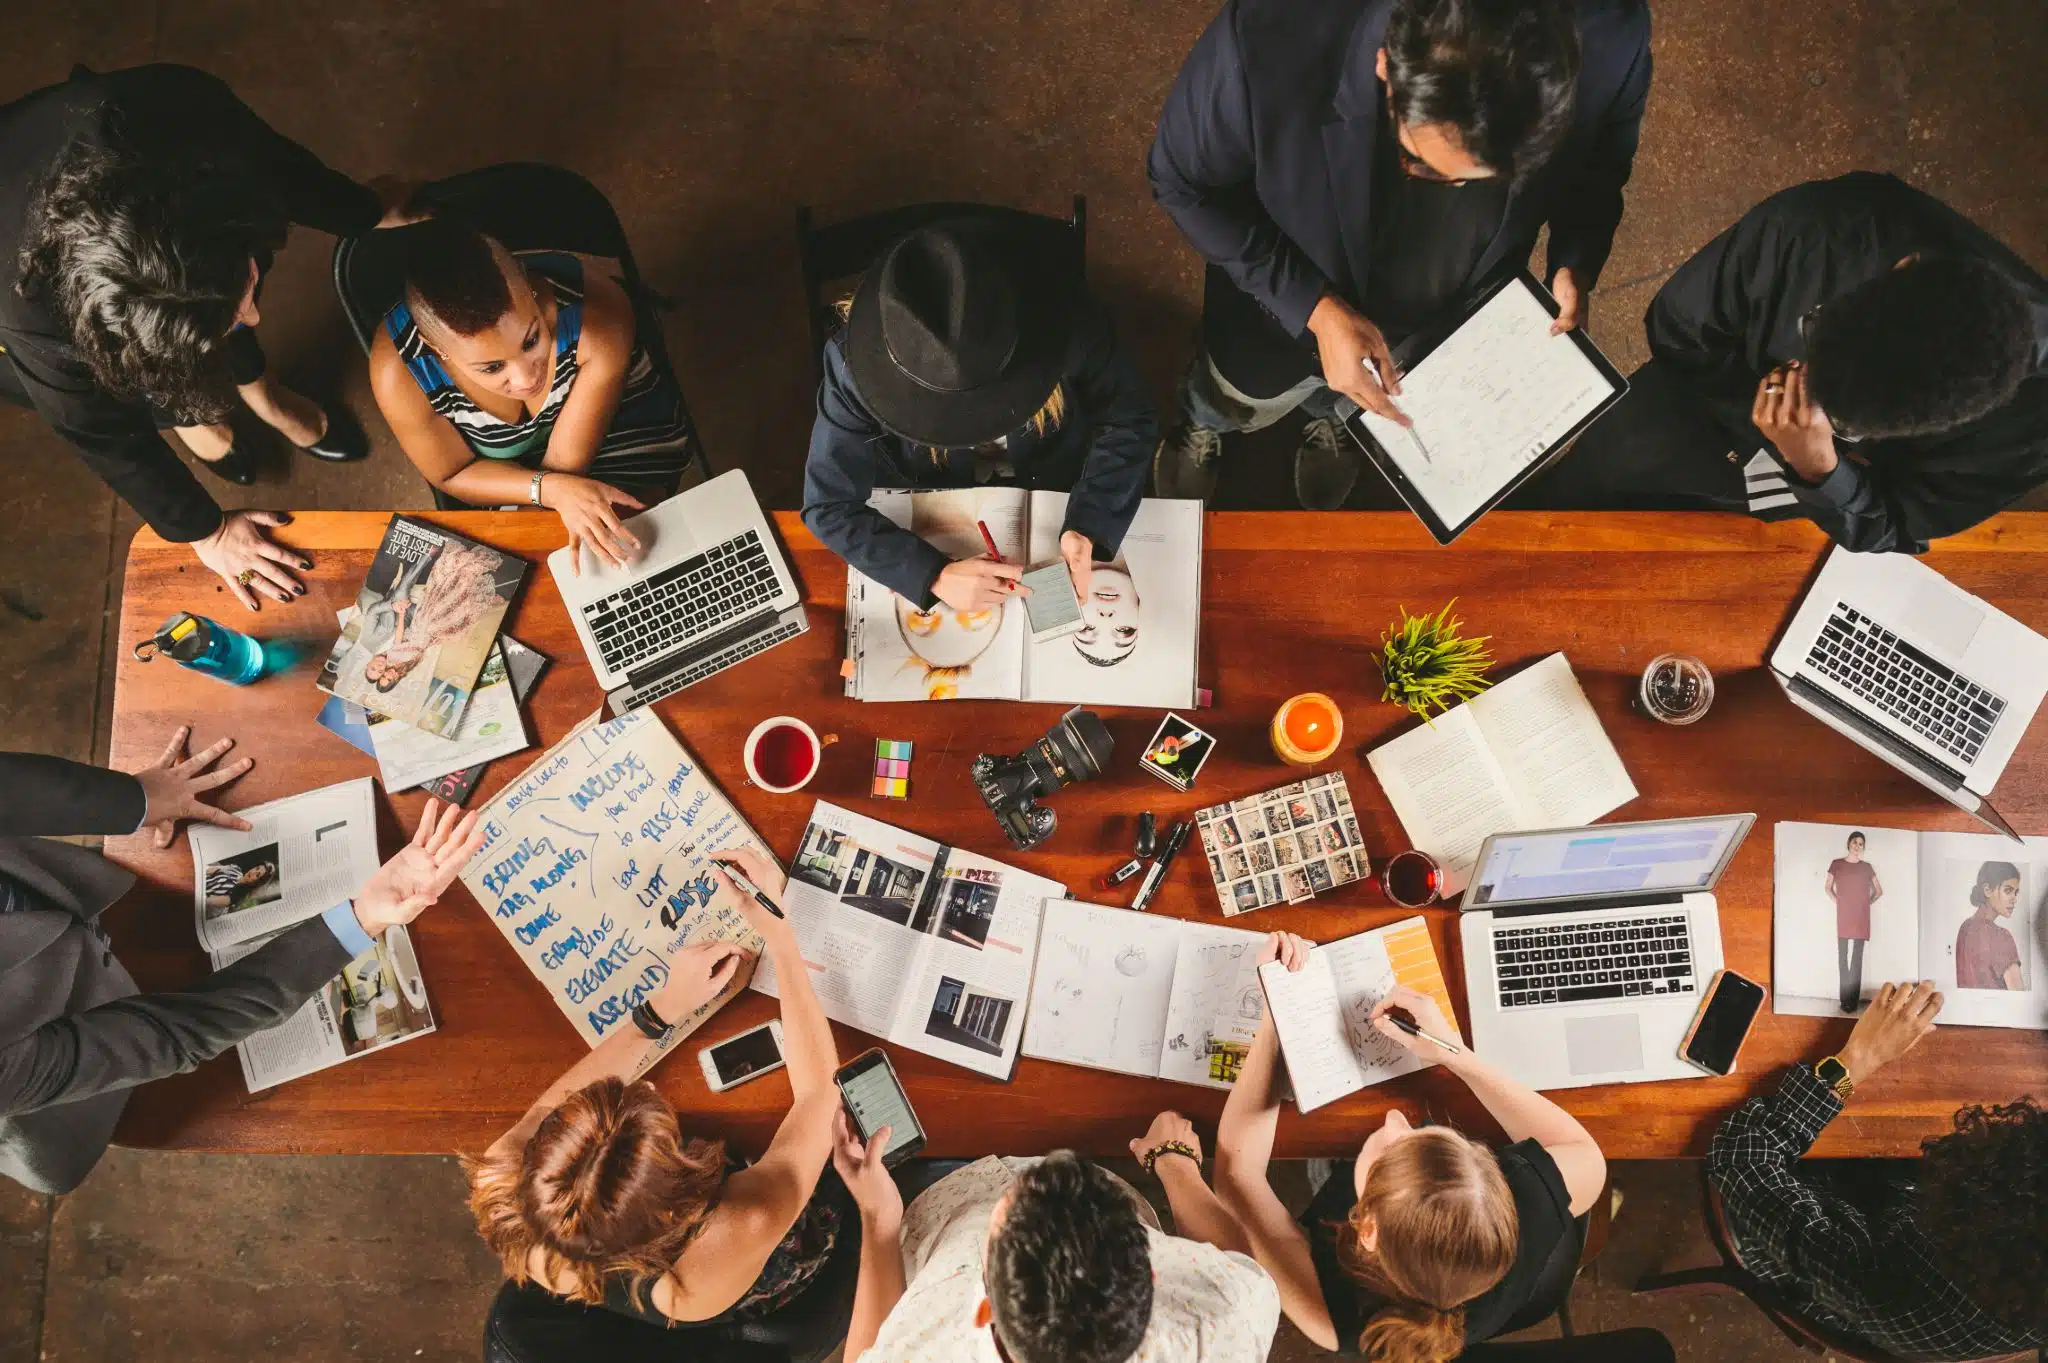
column 1294, row 602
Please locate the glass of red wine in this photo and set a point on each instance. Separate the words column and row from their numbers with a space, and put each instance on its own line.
column 782, row 754
column 1412, row 879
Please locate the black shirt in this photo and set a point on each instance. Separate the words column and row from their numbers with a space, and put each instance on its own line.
column 164, row 107
column 1427, row 238
column 1731, row 314
column 1543, row 1210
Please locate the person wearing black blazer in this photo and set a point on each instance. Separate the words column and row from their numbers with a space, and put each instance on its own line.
column 75, row 1035
column 1355, row 171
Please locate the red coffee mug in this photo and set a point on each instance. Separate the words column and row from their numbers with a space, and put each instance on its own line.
column 782, row 754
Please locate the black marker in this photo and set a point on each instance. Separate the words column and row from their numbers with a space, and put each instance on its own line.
column 1156, row 873
column 1401, row 1020
column 739, row 878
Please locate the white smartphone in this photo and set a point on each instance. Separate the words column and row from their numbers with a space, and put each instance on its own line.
column 1052, row 607
column 749, row 1055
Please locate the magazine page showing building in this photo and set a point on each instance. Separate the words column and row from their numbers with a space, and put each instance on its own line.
column 901, row 651
column 1142, row 621
column 1845, row 915
column 425, row 618
column 377, row 1001
column 1983, row 928
column 596, row 868
column 301, row 856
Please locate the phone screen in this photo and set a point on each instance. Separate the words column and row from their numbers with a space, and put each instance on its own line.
column 1052, row 604
column 746, row 1054
column 1724, row 1023
column 876, row 1100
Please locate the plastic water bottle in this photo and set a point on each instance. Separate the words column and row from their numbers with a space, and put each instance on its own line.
column 206, row 646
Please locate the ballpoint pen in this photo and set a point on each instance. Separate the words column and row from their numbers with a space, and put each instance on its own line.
column 1400, row 1020
column 1156, row 872
column 739, row 878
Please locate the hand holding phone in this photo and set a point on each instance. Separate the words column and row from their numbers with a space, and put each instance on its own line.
column 874, row 1098
column 1723, row 1022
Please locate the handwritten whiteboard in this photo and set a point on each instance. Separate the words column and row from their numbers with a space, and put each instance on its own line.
column 595, row 867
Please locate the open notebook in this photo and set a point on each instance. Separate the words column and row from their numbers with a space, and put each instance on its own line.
column 1138, row 635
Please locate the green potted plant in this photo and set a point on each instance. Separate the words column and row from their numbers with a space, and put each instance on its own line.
column 1427, row 664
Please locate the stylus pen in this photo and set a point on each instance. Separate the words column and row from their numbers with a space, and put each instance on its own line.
column 989, row 540
column 747, row 886
column 1156, row 872
column 1405, row 1025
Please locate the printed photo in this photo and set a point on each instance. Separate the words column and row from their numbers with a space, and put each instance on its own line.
column 1245, row 894
column 1262, row 854
column 1302, row 810
column 1325, row 805
column 1226, row 831
column 1216, row 868
column 1846, row 919
column 966, row 905
column 1277, row 821
column 1994, row 925
column 1269, row 890
column 1319, row 878
column 1296, row 882
column 1333, row 838
column 965, row 1018
column 379, row 997
column 1177, row 752
column 1351, row 829
column 1284, row 849
column 243, row 881
column 1236, row 865
column 1311, row 843
column 1343, row 869
column 861, row 877
column 1344, row 799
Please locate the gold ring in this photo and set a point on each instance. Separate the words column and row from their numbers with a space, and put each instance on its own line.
column 246, row 576
column 1774, row 388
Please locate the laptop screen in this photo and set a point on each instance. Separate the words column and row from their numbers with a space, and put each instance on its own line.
column 1670, row 856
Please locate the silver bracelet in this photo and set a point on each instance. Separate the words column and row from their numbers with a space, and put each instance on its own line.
column 535, row 493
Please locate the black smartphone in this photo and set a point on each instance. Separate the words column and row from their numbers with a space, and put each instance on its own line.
column 1723, row 1023
column 874, row 1098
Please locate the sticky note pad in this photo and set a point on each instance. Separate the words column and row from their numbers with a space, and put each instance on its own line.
column 892, row 769
column 893, row 747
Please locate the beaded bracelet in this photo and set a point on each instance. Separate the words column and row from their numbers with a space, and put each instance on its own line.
column 1169, row 1148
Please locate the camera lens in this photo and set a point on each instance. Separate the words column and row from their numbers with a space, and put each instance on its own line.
column 1082, row 744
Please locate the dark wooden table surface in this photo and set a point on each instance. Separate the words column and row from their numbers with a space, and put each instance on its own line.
column 1294, row 602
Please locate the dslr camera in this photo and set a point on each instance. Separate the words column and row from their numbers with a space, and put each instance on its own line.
column 1075, row 749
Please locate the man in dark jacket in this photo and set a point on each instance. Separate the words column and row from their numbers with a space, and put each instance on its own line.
column 75, row 1035
column 1852, row 350
column 1356, row 171
column 139, row 210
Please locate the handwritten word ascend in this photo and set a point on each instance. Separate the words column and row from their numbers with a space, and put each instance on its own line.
column 598, row 784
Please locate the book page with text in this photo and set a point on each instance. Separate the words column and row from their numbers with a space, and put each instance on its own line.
column 1448, row 791
column 1558, row 758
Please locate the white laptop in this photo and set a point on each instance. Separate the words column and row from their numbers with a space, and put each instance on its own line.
column 1588, row 950
column 710, row 589
column 1904, row 662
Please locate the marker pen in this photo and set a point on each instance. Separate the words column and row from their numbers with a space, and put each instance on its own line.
column 1157, row 872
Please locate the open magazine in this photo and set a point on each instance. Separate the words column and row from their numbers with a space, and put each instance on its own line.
column 1141, row 994
column 1857, row 906
column 922, row 944
column 1137, row 637
column 303, row 855
column 425, row 620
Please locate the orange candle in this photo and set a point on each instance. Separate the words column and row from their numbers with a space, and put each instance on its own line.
column 1307, row 729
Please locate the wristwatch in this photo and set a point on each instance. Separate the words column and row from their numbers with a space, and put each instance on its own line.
column 534, row 492
column 1835, row 1075
column 649, row 1022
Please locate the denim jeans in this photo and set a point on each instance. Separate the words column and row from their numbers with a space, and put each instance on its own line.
column 1210, row 401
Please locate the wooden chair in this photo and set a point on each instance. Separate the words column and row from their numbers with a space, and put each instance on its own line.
column 1637, row 1344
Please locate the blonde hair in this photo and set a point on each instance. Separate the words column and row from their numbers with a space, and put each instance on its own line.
column 1050, row 416
column 606, row 1185
column 1445, row 1231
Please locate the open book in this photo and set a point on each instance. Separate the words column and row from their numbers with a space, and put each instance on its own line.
column 302, row 856
column 1323, row 1012
column 1528, row 753
column 1138, row 634
column 916, row 942
column 1858, row 906
column 1139, row 994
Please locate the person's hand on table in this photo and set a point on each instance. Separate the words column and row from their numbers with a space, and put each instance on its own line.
column 978, row 584
column 586, row 508
column 172, row 786
column 866, row 1177
column 1079, row 552
column 1799, row 431
column 1356, row 360
column 1574, row 309
column 699, row 973
column 405, row 885
column 1423, row 1011
column 242, row 553
column 1896, row 1020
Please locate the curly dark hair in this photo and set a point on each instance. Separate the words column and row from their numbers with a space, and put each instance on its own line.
column 1504, row 73
column 147, row 258
column 1982, row 1204
column 1920, row 349
column 1070, row 1270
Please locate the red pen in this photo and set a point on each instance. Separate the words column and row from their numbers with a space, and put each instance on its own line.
column 989, row 540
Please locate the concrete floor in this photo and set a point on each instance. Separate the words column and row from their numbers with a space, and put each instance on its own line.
column 708, row 124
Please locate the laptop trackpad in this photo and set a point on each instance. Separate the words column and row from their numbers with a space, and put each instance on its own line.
column 1943, row 617
column 1611, row 1044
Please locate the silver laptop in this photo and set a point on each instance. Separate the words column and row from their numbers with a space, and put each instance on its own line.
column 711, row 589
column 1936, row 682
column 1588, row 950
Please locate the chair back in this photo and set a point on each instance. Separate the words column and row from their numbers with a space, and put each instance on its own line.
column 847, row 248
column 1639, row 1344
column 528, row 1324
column 1796, row 1327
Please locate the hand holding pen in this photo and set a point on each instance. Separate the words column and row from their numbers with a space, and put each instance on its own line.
column 747, row 870
column 1418, row 1021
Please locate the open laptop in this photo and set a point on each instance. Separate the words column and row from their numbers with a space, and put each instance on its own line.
column 1936, row 682
column 710, row 589
column 1588, row 950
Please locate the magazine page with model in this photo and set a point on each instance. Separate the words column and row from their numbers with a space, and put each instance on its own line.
column 918, row 943
column 300, row 857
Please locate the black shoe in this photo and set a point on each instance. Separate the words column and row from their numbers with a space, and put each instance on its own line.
column 344, row 442
column 1325, row 466
column 237, row 466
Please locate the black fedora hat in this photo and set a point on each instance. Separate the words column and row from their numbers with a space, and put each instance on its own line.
column 960, row 331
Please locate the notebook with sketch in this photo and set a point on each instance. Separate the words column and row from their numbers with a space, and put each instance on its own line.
column 1142, row 994
column 1135, row 644
column 1527, row 753
column 1492, row 397
column 1855, row 906
column 1323, row 1012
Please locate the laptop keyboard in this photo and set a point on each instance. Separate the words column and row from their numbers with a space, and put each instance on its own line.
column 698, row 670
column 682, row 602
column 1918, row 692
column 1620, row 958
